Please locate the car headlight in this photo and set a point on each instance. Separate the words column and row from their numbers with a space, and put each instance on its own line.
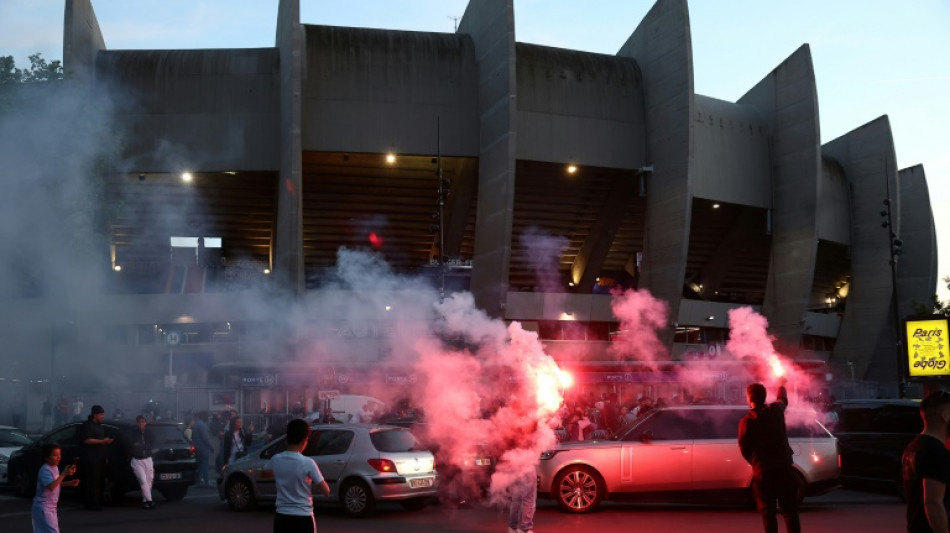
column 548, row 454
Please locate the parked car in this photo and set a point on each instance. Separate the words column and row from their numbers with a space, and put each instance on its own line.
column 462, row 480
column 362, row 464
column 173, row 458
column 872, row 435
column 678, row 453
column 11, row 440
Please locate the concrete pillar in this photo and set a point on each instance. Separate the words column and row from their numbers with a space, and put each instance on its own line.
column 288, row 268
column 866, row 155
column 917, row 266
column 491, row 25
column 788, row 99
column 82, row 40
column 662, row 49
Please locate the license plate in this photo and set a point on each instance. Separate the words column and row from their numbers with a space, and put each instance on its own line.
column 173, row 475
column 482, row 462
column 421, row 482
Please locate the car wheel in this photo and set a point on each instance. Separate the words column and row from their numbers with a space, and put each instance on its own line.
column 23, row 485
column 578, row 489
column 357, row 499
column 415, row 504
column 174, row 494
column 240, row 495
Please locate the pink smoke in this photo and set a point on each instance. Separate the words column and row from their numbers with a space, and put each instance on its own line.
column 543, row 252
column 640, row 316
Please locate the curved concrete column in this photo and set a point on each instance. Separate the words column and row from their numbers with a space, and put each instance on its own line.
column 491, row 25
column 82, row 40
column 867, row 339
column 287, row 255
column 662, row 48
column 788, row 99
column 917, row 266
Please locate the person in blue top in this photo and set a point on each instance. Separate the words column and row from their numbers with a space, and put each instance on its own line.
column 48, row 483
column 293, row 475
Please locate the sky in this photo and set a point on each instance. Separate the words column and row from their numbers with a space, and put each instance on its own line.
column 871, row 57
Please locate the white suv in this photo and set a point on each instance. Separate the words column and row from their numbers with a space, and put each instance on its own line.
column 679, row 453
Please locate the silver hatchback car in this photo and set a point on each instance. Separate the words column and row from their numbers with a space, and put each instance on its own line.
column 362, row 463
column 679, row 453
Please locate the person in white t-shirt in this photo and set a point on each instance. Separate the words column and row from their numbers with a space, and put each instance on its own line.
column 293, row 475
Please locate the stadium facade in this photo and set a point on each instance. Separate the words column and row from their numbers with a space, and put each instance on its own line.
column 708, row 204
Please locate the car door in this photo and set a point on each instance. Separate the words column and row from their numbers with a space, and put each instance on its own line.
column 266, row 486
column 717, row 460
column 68, row 439
column 330, row 448
column 657, row 455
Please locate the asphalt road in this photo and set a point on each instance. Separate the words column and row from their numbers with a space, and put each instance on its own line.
column 201, row 512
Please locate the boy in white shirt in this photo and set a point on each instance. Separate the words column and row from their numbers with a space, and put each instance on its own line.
column 293, row 474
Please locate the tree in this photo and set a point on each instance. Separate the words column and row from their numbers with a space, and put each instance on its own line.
column 39, row 71
column 935, row 306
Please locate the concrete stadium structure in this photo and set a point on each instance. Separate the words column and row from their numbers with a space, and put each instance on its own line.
column 707, row 203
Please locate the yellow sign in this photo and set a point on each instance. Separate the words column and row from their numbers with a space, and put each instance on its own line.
column 927, row 350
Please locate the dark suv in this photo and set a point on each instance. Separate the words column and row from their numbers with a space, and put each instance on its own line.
column 873, row 435
column 173, row 457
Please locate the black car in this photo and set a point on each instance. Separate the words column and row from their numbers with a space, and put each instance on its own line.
column 173, row 458
column 872, row 435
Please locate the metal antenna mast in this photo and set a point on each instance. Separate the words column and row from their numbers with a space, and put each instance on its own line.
column 443, row 192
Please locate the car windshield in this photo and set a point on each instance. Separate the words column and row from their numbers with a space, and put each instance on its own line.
column 394, row 440
column 12, row 437
column 168, row 435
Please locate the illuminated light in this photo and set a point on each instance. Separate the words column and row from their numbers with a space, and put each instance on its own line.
column 382, row 465
column 390, row 158
column 548, row 379
column 711, row 317
column 117, row 268
column 267, row 271
column 186, row 177
column 571, row 169
column 715, row 206
column 570, row 283
column 565, row 377
column 567, row 315
column 597, row 280
column 230, row 172
column 815, row 458
column 375, row 239
column 777, row 369
column 389, row 307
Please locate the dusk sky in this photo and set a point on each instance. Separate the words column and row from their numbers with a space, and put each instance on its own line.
column 871, row 57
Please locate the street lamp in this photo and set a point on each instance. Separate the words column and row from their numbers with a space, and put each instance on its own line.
column 895, row 251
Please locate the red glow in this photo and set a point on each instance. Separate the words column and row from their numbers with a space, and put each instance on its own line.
column 382, row 465
column 290, row 186
column 375, row 239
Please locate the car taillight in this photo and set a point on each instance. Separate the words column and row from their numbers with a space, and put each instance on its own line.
column 838, row 452
column 192, row 450
column 382, row 465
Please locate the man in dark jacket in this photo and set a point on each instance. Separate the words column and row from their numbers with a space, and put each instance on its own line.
column 95, row 454
column 926, row 468
column 763, row 441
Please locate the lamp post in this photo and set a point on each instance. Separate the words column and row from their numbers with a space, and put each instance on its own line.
column 895, row 251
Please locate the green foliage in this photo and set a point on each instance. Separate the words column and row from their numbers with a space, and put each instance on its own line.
column 39, row 71
column 942, row 307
